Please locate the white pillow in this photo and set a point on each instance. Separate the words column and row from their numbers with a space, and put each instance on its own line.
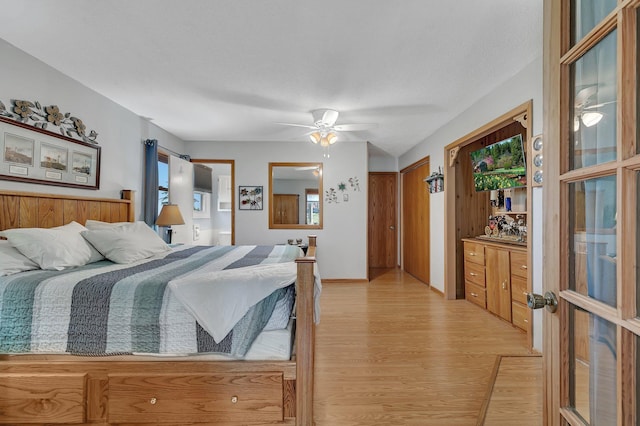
column 127, row 243
column 76, row 227
column 12, row 261
column 96, row 225
column 54, row 248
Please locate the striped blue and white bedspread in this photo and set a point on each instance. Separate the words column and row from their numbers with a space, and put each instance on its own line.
column 105, row 308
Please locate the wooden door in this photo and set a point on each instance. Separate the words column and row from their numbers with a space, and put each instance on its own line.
column 415, row 220
column 383, row 232
column 591, row 177
column 498, row 281
column 286, row 207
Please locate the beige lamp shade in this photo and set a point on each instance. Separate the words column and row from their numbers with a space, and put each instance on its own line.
column 170, row 215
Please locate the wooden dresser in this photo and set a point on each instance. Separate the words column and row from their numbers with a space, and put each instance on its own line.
column 495, row 276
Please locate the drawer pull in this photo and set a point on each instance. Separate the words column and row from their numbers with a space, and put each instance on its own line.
column 526, row 320
column 471, row 253
column 523, row 267
column 473, row 274
column 474, row 294
column 234, row 399
column 153, row 401
column 504, row 285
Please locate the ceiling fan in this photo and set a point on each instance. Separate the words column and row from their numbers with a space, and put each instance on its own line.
column 324, row 127
column 585, row 111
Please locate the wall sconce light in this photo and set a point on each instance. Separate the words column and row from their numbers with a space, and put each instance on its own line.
column 170, row 215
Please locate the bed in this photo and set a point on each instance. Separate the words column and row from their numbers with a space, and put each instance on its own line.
column 156, row 380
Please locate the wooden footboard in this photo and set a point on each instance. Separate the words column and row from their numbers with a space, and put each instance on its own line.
column 66, row 389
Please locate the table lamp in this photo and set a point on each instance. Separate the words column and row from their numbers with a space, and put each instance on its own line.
column 169, row 215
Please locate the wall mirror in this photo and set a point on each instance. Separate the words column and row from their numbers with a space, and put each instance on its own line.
column 295, row 195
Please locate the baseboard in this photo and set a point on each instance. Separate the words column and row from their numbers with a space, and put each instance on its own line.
column 345, row 280
column 436, row 290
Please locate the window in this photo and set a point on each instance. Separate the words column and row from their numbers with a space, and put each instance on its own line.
column 163, row 180
column 198, row 206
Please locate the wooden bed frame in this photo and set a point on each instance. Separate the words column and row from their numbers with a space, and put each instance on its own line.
column 123, row 390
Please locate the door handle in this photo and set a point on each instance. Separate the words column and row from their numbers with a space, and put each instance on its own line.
column 392, row 227
column 537, row 301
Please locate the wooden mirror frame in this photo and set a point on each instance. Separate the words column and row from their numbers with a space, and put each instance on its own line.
column 272, row 216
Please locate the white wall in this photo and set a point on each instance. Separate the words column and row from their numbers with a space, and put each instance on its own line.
column 342, row 243
column 525, row 85
column 120, row 132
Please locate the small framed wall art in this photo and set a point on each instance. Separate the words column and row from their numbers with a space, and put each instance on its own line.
column 250, row 197
column 33, row 155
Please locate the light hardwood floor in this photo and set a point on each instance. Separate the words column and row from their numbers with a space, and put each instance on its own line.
column 394, row 352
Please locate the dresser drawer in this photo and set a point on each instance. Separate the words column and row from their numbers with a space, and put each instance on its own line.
column 193, row 398
column 520, row 316
column 54, row 398
column 474, row 273
column 519, row 289
column 475, row 294
column 474, row 252
column 519, row 264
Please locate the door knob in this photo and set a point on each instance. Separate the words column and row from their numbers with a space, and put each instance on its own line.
column 392, row 227
column 537, row 301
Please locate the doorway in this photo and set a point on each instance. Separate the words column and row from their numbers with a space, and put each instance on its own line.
column 218, row 226
column 383, row 232
column 416, row 254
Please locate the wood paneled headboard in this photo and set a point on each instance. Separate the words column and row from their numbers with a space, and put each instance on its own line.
column 33, row 210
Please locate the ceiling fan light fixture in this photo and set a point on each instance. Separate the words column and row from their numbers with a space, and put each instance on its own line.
column 591, row 118
column 332, row 138
column 315, row 137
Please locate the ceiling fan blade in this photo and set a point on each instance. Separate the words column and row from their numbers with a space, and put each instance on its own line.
column 354, row 127
column 298, row 125
column 599, row 105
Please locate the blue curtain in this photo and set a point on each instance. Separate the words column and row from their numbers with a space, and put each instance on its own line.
column 151, row 182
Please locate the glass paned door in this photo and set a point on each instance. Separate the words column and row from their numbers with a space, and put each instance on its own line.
column 593, row 239
column 593, row 368
column 591, row 201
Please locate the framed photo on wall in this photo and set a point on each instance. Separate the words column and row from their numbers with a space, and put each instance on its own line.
column 250, row 197
column 33, row 155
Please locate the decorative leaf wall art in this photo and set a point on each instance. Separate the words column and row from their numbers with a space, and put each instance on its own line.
column 33, row 113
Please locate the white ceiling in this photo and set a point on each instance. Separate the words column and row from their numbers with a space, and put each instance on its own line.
column 229, row 70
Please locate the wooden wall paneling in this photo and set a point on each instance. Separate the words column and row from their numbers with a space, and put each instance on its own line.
column 82, row 211
column 105, row 211
column 28, row 213
column 50, row 213
column 33, row 210
column 9, row 212
column 94, row 210
column 70, row 211
column 472, row 207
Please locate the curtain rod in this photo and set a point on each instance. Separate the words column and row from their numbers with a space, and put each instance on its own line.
column 177, row 154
